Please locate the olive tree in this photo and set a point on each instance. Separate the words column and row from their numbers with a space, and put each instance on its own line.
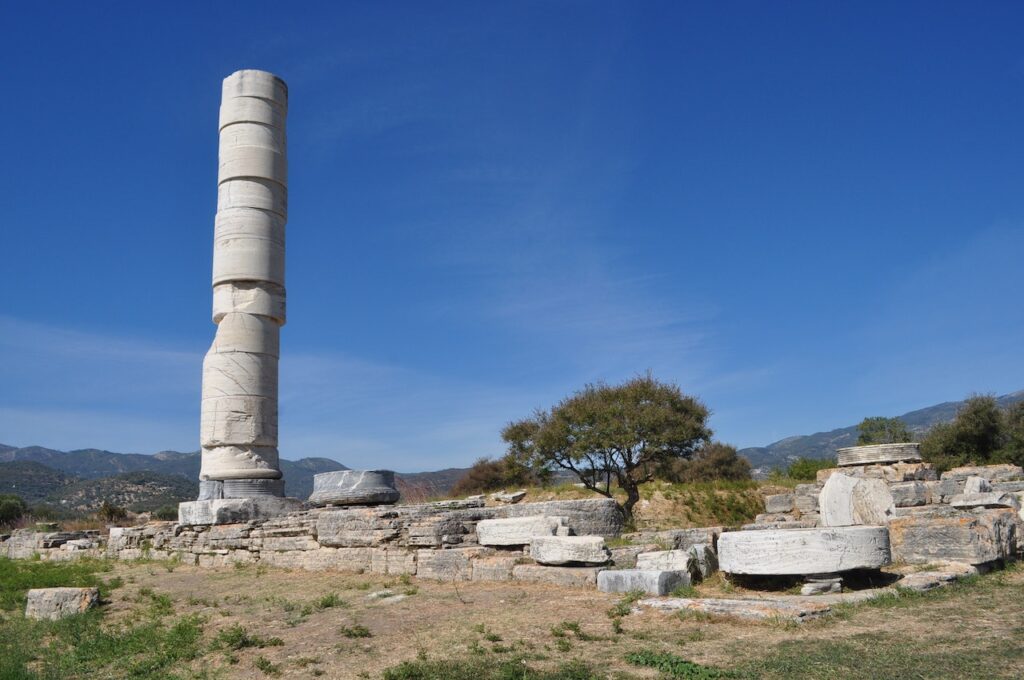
column 613, row 433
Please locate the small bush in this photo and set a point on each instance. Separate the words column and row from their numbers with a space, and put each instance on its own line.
column 268, row 668
column 807, row 468
column 355, row 631
column 236, row 637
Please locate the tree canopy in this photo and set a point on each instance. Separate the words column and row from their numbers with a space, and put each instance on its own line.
column 981, row 433
column 881, row 430
column 622, row 433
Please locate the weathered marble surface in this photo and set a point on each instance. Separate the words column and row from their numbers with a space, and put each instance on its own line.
column 757, row 610
column 650, row 581
column 993, row 473
column 354, row 487
column 988, row 499
column 668, row 560
column 518, row 530
column 56, row 603
column 238, row 423
column 559, row 550
column 850, row 501
column 235, row 510
column 878, row 453
column 781, row 502
column 803, row 551
column 957, row 536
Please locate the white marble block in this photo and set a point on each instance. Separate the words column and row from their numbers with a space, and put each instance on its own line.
column 517, row 530
column 794, row 552
column 558, row 550
column 850, row 501
column 878, row 453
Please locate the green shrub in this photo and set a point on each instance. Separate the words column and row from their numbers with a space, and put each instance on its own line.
column 673, row 666
column 807, row 468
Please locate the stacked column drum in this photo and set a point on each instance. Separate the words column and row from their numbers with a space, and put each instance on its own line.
column 238, row 430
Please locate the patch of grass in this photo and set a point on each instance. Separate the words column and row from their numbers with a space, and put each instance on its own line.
column 83, row 647
column 355, row 631
column 18, row 576
column 329, row 601
column 237, row 637
column 516, row 668
column 625, row 605
column 674, row 666
column 684, row 591
column 573, row 627
column 268, row 668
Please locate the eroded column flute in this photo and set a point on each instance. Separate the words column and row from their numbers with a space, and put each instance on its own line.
column 238, row 428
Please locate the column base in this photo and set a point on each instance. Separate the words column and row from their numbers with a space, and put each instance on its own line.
column 214, row 489
column 236, row 510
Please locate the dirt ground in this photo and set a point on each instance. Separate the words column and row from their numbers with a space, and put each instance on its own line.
column 454, row 620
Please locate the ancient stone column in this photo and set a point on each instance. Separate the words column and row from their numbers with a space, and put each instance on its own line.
column 238, row 430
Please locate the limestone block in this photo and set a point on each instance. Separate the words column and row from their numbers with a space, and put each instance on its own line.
column 504, row 497
column 668, row 560
column 755, row 610
column 1008, row 487
column 559, row 550
column 239, row 462
column 990, row 499
column 455, row 564
column 650, row 581
column 249, row 297
column 587, row 517
column 393, row 561
column 354, row 487
column 974, row 485
column 942, row 491
column 56, row 603
column 289, row 543
column 358, row 527
column 705, row 558
column 908, row 494
column 573, row 577
column 516, row 530
column 993, row 473
column 878, row 453
column 806, row 497
column 788, row 523
column 971, row 537
column 253, row 192
column 803, row 551
column 496, row 568
column 782, row 502
column 235, row 510
column 847, row 501
column 678, row 539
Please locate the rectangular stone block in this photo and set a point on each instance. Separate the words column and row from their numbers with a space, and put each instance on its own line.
column 993, row 473
column 667, row 560
column 393, row 561
column 455, row 564
column 971, row 537
column 517, row 530
column 909, row 494
column 782, row 502
column 358, row 527
column 559, row 550
column 573, row 577
column 497, row 568
column 650, row 581
column 289, row 543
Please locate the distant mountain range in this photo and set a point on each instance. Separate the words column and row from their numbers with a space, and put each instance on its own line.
column 824, row 444
column 81, row 479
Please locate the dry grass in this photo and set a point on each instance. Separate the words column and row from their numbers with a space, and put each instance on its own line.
column 548, row 626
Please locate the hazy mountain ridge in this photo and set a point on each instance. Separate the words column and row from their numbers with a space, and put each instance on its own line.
column 824, row 444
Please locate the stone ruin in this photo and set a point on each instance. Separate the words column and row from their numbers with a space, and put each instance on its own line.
column 880, row 507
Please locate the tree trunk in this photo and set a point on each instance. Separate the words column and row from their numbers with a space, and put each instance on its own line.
column 632, row 497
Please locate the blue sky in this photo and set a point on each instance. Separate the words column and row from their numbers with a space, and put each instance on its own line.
column 804, row 213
